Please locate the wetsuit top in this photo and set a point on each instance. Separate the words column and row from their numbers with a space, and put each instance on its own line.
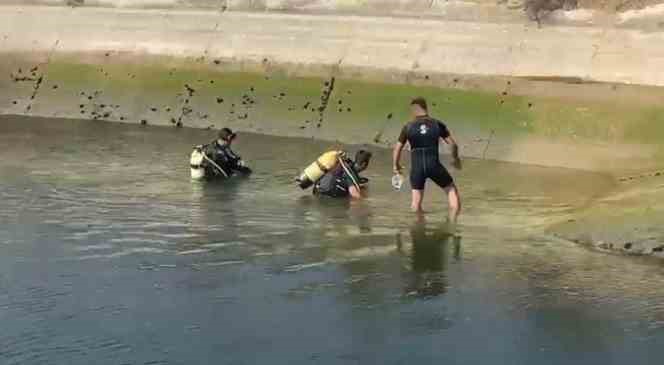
column 337, row 182
column 424, row 134
column 225, row 158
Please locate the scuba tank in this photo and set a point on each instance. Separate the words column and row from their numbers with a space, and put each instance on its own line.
column 196, row 163
column 325, row 162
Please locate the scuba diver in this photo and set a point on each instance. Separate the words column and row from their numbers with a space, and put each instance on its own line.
column 343, row 180
column 216, row 159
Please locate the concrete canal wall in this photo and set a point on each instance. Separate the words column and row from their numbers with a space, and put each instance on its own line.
column 585, row 97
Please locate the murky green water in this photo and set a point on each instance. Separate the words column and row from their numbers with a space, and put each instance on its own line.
column 110, row 255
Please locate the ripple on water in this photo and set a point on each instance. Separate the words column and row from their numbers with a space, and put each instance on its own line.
column 224, row 244
column 218, row 263
column 300, row 267
column 101, row 246
column 345, row 256
column 124, row 252
column 34, row 300
column 35, row 347
column 141, row 240
column 193, row 252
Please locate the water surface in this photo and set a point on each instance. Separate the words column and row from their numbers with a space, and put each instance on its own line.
column 109, row 254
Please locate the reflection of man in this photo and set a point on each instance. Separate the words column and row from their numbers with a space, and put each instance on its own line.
column 429, row 258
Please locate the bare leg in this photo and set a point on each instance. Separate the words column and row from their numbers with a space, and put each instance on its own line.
column 416, row 203
column 454, row 202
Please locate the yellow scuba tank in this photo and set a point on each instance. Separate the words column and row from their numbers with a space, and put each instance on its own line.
column 325, row 162
column 196, row 163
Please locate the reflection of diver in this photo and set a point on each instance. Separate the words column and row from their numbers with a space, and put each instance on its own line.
column 336, row 217
column 208, row 216
column 217, row 159
column 430, row 258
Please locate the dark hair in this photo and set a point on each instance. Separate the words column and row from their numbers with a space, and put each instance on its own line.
column 421, row 102
column 226, row 134
column 362, row 158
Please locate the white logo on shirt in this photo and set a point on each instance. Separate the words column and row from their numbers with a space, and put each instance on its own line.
column 424, row 129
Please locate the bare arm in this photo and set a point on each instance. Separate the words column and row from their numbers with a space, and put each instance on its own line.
column 455, row 151
column 355, row 192
column 396, row 157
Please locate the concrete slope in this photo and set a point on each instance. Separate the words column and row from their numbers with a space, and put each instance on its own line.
column 560, row 96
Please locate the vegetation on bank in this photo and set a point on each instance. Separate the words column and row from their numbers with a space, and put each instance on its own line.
column 210, row 94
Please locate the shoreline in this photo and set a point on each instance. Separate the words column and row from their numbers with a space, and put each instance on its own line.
column 594, row 134
column 623, row 219
column 596, row 108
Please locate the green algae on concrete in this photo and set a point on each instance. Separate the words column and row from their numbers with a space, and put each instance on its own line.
column 628, row 220
column 363, row 106
column 204, row 93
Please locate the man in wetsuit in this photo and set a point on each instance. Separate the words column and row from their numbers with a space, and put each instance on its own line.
column 344, row 180
column 423, row 134
column 226, row 162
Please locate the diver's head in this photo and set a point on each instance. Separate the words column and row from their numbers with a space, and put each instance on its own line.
column 226, row 136
column 418, row 107
column 362, row 159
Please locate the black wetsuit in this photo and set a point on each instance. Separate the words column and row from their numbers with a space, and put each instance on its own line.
column 223, row 156
column 424, row 134
column 336, row 183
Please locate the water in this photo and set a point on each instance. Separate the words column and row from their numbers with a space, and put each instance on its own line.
column 110, row 255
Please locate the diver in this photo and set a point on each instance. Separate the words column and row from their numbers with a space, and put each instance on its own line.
column 424, row 134
column 217, row 159
column 344, row 180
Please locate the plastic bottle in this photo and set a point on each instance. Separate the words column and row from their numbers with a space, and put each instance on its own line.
column 397, row 181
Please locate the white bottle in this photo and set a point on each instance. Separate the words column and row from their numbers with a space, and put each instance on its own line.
column 397, row 181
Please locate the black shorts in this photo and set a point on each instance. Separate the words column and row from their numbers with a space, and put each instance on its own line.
column 437, row 172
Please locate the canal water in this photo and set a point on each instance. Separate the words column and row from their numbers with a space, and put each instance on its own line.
column 109, row 254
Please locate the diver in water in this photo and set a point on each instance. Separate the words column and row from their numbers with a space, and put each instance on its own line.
column 424, row 134
column 217, row 159
column 344, row 179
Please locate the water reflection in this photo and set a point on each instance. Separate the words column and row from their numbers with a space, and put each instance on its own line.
column 432, row 250
column 334, row 217
column 214, row 213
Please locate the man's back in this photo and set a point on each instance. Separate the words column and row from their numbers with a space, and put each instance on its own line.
column 424, row 132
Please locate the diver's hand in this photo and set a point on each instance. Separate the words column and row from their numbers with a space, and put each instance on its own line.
column 397, row 169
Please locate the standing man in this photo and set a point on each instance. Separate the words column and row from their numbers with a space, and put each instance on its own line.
column 424, row 134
